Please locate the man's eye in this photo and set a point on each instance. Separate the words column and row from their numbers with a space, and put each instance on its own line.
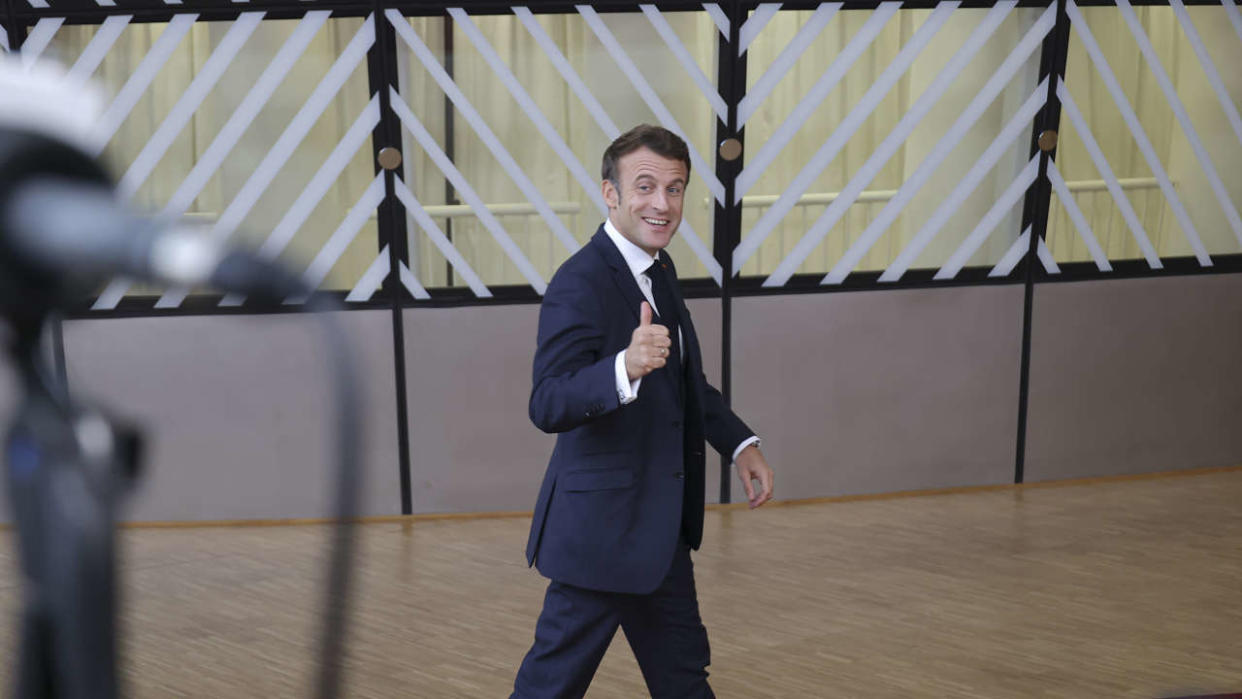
column 644, row 188
column 674, row 190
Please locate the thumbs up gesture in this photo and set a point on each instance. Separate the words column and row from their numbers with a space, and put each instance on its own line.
column 649, row 346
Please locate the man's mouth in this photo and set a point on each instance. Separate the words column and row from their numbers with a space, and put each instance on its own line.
column 658, row 222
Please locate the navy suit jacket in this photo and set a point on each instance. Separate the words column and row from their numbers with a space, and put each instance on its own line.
column 623, row 480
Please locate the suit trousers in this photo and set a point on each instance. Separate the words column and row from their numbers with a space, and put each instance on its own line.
column 663, row 628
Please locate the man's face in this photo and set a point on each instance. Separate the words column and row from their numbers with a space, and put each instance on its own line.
column 647, row 210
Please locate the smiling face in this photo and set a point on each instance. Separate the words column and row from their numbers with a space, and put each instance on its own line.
column 647, row 209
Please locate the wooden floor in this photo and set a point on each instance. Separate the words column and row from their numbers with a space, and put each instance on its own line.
column 1127, row 588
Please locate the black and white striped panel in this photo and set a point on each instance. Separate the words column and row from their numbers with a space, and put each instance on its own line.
column 1151, row 132
column 907, row 149
column 258, row 129
column 531, row 101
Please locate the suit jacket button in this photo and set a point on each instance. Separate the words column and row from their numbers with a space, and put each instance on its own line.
column 676, row 423
column 679, row 475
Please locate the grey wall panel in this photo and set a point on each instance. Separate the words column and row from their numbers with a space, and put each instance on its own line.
column 473, row 447
column 469, row 371
column 874, row 392
column 1135, row 375
column 238, row 410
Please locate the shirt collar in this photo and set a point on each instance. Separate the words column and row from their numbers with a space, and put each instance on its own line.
column 635, row 257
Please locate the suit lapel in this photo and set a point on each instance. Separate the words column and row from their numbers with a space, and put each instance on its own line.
column 621, row 274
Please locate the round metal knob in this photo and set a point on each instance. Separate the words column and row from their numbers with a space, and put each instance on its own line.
column 389, row 158
column 730, row 149
column 1048, row 140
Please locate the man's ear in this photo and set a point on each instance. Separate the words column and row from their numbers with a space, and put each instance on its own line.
column 610, row 193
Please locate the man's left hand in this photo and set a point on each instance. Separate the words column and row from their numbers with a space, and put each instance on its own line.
column 751, row 466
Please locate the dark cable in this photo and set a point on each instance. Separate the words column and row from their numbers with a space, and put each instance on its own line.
column 348, row 489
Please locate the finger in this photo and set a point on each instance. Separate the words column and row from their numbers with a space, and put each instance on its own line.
column 765, row 482
column 644, row 314
column 750, row 489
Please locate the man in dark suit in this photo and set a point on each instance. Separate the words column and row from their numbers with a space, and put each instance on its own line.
column 618, row 375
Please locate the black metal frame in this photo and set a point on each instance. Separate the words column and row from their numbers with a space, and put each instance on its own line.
column 19, row 16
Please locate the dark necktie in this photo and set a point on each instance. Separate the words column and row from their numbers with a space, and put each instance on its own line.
column 667, row 315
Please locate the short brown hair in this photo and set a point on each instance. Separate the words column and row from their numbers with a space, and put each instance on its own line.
column 658, row 139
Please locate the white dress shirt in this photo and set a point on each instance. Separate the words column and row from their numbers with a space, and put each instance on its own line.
column 639, row 261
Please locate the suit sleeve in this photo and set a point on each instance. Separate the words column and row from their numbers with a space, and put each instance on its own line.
column 574, row 378
column 724, row 430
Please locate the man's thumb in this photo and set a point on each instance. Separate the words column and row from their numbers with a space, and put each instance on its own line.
column 644, row 314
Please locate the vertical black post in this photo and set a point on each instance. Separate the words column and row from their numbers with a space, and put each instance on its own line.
column 15, row 29
column 1035, row 210
column 382, row 73
column 450, row 142
column 731, row 79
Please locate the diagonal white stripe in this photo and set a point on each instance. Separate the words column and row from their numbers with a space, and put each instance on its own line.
column 785, row 62
column 98, row 47
column 687, row 61
column 1110, row 179
column 1179, row 111
column 323, row 180
column 472, row 117
column 411, row 282
column 449, row 170
column 532, row 110
column 719, row 17
column 1136, row 130
column 1045, row 256
column 1019, row 124
column 700, row 251
column 1018, row 250
column 969, row 116
column 415, row 210
column 251, row 104
column 839, row 137
column 990, row 220
column 1213, row 75
column 567, row 72
column 39, row 38
column 181, row 113
column 371, row 279
column 141, row 78
column 318, row 186
column 648, row 95
column 828, row 81
column 755, row 24
column 1013, row 255
column 38, row 4
column 1075, row 214
column 301, row 124
column 344, row 234
column 871, row 168
column 1235, row 18
column 238, row 122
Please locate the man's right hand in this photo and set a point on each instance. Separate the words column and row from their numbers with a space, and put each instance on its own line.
column 649, row 346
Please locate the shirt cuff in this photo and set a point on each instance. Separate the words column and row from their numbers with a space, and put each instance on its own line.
column 627, row 391
column 745, row 443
